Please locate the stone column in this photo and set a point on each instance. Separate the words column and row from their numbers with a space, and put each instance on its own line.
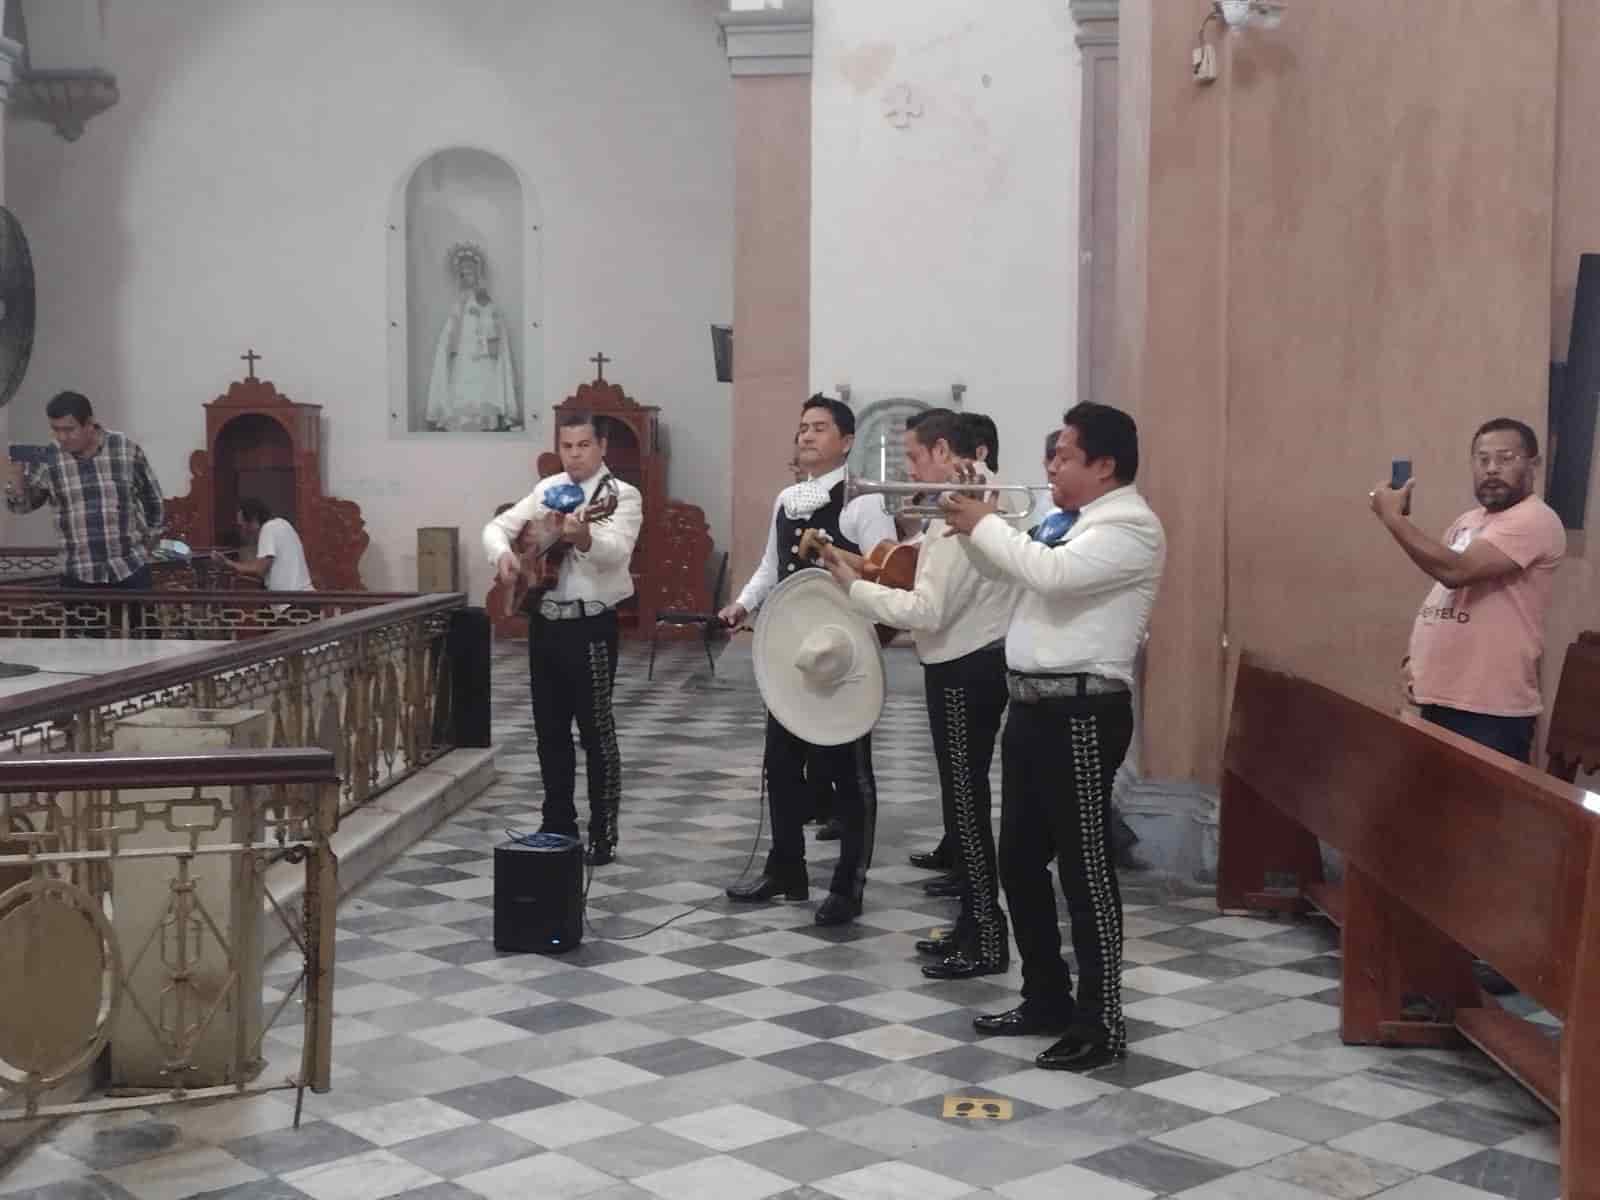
column 1097, row 34
column 769, row 53
column 10, row 68
column 1171, row 371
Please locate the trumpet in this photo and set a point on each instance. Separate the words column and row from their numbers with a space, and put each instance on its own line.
column 922, row 499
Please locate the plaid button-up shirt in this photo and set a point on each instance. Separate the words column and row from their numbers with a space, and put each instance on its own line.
column 108, row 507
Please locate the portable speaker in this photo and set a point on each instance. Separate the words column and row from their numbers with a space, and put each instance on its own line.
column 538, row 894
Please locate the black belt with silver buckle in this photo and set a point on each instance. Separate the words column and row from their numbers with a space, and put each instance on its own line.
column 1030, row 689
column 570, row 610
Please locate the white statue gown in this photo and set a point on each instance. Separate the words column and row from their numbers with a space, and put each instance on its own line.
column 472, row 388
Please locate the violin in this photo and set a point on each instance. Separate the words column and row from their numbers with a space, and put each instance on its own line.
column 542, row 569
column 889, row 564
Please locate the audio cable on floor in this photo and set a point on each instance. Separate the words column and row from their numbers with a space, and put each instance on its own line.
column 529, row 839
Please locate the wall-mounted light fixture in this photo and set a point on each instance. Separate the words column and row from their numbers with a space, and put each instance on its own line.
column 1239, row 14
column 1235, row 16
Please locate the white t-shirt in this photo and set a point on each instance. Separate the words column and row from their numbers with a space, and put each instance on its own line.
column 279, row 542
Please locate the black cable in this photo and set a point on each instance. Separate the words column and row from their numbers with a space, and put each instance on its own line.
column 530, row 839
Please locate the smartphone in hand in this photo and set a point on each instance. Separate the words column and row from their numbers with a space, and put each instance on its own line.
column 1399, row 476
column 29, row 455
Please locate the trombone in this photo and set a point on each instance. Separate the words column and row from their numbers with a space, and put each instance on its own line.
column 922, row 499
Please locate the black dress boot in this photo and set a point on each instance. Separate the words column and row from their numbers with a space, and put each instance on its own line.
column 836, row 909
column 978, row 951
column 1077, row 1053
column 602, row 838
column 932, row 860
column 772, row 884
column 1025, row 1020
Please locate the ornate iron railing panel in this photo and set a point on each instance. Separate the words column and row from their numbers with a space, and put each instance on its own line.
column 168, row 977
column 194, row 615
column 371, row 685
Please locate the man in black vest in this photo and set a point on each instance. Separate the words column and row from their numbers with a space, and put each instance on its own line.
column 827, row 431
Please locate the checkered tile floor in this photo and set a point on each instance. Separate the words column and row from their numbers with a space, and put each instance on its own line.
column 744, row 1053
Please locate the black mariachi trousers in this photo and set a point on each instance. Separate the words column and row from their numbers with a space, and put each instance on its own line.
column 1058, row 760
column 848, row 768
column 966, row 701
column 571, row 667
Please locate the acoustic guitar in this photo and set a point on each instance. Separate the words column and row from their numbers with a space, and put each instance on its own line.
column 542, row 569
column 889, row 564
column 892, row 564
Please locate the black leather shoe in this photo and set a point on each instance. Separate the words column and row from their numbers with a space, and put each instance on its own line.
column 769, row 887
column 930, row 860
column 946, row 887
column 1021, row 1022
column 837, row 910
column 830, row 830
column 1073, row 1053
column 600, row 852
column 942, row 946
column 959, row 966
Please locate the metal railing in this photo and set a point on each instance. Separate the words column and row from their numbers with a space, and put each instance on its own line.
column 367, row 677
column 131, row 906
column 190, row 614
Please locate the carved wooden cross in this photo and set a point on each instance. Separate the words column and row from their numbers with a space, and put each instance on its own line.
column 251, row 357
column 600, row 360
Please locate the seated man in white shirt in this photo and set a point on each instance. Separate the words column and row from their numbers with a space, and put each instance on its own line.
column 572, row 627
column 280, row 561
column 1088, row 578
column 827, row 431
column 958, row 620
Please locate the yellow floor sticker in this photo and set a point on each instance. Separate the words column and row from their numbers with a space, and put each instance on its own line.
column 977, row 1108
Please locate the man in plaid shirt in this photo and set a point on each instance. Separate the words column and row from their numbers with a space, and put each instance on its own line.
column 108, row 503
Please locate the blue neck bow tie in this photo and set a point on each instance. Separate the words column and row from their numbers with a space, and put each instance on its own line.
column 1053, row 528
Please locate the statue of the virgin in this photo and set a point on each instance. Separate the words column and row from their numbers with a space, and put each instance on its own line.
column 473, row 387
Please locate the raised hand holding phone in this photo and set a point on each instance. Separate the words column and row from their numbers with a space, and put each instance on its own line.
column 1399, row 476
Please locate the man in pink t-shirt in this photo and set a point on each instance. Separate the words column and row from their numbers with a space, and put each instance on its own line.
column 1476, row 644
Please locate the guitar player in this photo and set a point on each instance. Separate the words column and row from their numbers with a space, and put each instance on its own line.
column 572, row 627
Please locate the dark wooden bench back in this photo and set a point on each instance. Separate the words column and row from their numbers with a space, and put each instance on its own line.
column 1573, row 742
column 1493, row 854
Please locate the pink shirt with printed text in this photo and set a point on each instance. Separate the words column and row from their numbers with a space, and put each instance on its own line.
column 1477, row 648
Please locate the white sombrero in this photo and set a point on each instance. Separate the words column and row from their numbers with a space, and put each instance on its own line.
column 817, row 661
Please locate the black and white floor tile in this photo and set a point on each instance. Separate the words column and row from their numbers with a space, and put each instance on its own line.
column 742, row 1053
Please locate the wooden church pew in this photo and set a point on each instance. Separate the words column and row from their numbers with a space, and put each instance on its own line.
column 1450, row 852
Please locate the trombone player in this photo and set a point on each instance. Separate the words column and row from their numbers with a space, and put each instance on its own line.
column 958, row 620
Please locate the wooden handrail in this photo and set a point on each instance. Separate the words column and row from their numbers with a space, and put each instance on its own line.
column 67, row 699
column 222, row 768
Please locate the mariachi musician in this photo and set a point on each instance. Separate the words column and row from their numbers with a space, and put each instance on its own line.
column 581, row 562
column 958, row 621
column 827, row 431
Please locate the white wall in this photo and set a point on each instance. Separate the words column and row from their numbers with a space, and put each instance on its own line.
column 239, row 193
column 946, row 251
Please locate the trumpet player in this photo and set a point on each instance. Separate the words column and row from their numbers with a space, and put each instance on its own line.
column 958, row 621
column 1088, row 578
column 827, row 431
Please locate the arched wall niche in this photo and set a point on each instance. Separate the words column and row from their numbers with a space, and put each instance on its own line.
column 466, row 336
